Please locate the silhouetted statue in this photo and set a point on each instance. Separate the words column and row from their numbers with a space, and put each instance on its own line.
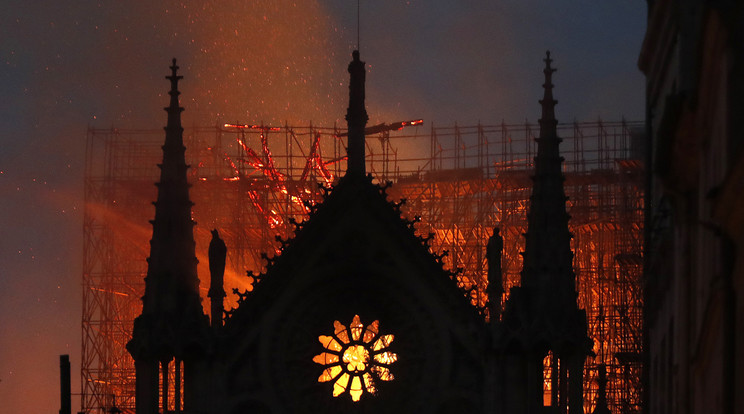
column 217, row 255
column 494, row 250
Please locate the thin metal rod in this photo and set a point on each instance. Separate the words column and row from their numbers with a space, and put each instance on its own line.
column 358, row 45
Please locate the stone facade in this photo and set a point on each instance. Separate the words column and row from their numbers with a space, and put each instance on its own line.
column 693, row 60
column 355, row 313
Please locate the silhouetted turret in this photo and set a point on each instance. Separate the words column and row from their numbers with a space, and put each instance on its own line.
column 356, row 118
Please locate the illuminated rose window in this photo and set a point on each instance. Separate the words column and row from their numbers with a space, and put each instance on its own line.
column 355, row 358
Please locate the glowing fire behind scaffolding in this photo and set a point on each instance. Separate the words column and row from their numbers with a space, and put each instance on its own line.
column 251, row 181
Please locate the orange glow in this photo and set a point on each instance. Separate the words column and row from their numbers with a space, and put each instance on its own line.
column 330, row 343
column 329, row 373
column 549, row 379
column 348, row 354
column 356, row 357
column 247, row 126
column 110, row 291
column 356, row 328
column 326, row 358
column 235, row 192
column 236, row 126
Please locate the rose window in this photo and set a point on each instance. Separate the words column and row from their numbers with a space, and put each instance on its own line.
column 355, row 357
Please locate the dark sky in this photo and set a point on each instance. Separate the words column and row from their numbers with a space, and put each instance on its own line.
column 70, row 65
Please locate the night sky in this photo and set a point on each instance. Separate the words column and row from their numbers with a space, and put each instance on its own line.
column 70, row 65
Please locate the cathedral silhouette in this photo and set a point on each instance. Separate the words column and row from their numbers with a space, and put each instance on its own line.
column 356, row 314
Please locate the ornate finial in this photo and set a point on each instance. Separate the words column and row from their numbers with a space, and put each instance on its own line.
column 174, row 77
column 174, row 109
column 548, row 69
column 548, row 103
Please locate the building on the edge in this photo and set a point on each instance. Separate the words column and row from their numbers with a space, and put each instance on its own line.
column 693, row 59
column 356, row 314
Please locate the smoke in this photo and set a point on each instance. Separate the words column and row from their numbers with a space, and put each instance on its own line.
column 102, row 63
column 255, row 61
column 67, row 65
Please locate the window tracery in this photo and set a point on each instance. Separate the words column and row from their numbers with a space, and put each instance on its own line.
column 355, row 358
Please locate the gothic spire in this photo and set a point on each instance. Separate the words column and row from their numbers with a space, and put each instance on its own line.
column 356, row 118
column 172, row 248
column 541, row 316
column 171, row 299
column 172, row 324
column 547, row 256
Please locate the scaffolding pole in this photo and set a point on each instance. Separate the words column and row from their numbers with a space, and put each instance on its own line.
column 249, row 184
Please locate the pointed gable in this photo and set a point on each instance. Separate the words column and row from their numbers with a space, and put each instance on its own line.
column 355, row 261
column 355, row 256
column 355, row 239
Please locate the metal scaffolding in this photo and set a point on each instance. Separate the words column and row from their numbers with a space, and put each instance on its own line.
column 248, row 181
